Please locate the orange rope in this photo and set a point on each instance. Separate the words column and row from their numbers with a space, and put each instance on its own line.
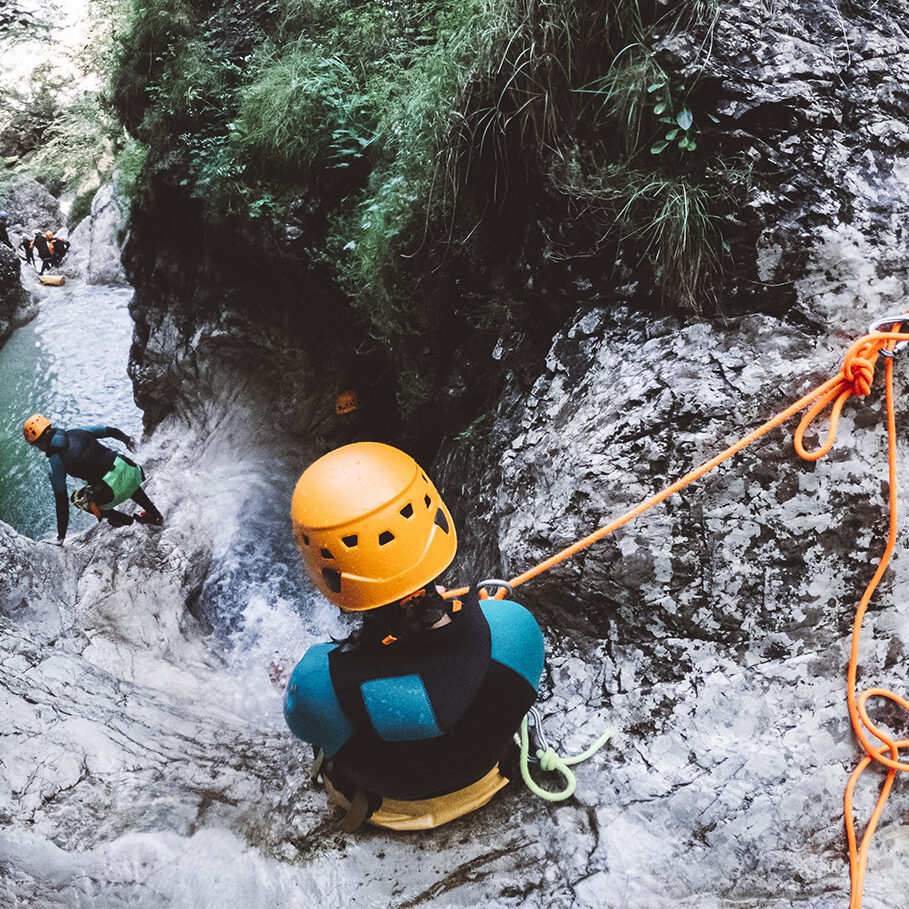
column 854, row 378
column 858, row 856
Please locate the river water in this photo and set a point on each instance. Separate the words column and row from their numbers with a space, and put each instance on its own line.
column 69, row 363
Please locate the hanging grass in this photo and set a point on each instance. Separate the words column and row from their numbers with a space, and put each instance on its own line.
column 420, row 122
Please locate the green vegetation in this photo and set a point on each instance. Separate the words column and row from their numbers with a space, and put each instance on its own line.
column 68, row 139
column 300, row 109
column 421, row 148
column 74, row 148
column 78, row 143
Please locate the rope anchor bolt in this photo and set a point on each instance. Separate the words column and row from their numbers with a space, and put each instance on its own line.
column 894, row 323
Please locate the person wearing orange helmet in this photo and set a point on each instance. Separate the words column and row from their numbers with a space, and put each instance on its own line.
column 349, row 423
column 59, row 247
column 112, row 478
column 42, row 244
column 414, row 713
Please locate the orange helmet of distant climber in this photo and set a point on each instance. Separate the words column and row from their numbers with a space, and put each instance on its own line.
column 347, row 402
column 34, row 427
column 49, row 234
column 371, row 526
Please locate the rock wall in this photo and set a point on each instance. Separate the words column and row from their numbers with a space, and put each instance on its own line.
column 16, row 307
column 714, row 631
column 31, row 208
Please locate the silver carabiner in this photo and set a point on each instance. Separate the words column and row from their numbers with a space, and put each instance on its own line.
column 891, row 321
column 495, row 583
column 535, row 732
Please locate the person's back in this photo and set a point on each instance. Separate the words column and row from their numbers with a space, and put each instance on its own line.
column 415, row 713
column 59, row 250
column 426, row 715
column 83, row 456
column 43, row 244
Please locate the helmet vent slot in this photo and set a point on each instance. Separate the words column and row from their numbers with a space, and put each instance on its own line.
column 386, row 536
column 407, row 511
column 427, row 500
column 349, row 541
column 326, row 554
column 332, row 578
column 441, row 520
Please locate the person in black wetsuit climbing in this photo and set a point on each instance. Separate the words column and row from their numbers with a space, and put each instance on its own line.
column 59, row 251
column 41, row 245
column 414, row 714
column 112, row 478
column 26, row 246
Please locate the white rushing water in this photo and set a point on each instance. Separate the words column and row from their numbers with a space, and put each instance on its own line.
column 143, row 754
column 143, row 751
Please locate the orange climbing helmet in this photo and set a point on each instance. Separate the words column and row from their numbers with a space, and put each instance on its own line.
column 347, row 402
column 34, row 427
column 371, row 526
column 49, row 234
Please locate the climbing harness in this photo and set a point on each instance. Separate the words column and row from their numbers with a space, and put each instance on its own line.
column 854, row 378
column 82, row 498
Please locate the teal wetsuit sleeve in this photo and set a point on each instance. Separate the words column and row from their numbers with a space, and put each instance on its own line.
column 311, row 707
column 58, row 484
column 107, row 432
column 517, row 641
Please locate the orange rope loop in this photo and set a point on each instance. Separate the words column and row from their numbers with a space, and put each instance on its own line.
column 854, row 378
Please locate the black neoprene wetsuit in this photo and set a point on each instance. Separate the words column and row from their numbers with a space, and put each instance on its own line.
column 78, row 452
column 40, row 244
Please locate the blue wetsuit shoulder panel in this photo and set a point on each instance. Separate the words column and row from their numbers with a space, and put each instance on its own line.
column 517, row 641
column 399, row 709
column 311, row 708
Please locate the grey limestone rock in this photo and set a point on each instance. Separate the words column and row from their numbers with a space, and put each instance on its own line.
column 97, row 240
column 16, row 306
column 712, row 633
column 31, row 208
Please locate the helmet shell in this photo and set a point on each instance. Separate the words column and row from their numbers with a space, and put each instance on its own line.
column 371, row 526
column 34, row 427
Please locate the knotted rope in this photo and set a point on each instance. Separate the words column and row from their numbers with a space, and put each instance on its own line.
column 551, row 761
